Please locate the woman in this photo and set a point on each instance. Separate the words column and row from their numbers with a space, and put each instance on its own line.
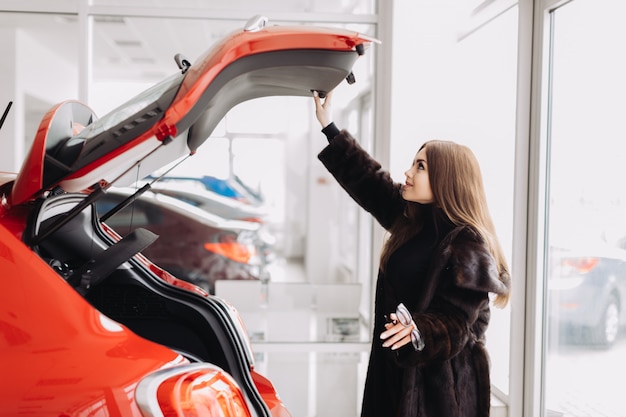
column 437, row 269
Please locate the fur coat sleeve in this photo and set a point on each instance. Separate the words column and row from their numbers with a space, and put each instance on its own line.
column 363, row 178
column 454, row 310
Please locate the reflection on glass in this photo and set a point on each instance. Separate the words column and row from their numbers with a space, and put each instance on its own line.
column 586, row 260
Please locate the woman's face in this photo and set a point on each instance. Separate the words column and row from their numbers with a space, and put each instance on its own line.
column 417, row 185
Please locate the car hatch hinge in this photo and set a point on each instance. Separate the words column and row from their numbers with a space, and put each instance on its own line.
column 183, row 63
column 255, row 23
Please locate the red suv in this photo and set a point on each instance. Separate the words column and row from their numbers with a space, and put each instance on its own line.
column 88, row 324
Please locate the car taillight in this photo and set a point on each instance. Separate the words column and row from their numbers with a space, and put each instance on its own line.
column 580, row 265
column 202, row 390
column 253, row 219
column 229, row 246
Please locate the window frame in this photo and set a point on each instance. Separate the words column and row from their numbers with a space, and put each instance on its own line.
column 527, row 322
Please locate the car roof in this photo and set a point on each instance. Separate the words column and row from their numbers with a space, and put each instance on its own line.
column 188, row 210
column 201, row 195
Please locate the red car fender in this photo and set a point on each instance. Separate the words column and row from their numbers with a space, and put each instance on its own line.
column 43, row 364
column 270, row 396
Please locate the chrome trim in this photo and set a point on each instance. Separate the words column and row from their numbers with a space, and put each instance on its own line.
column 255, row 23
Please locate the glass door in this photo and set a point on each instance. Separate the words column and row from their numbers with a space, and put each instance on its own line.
column 585, row 268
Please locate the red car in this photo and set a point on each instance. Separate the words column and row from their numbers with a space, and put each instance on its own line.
column 213, row 248
column 88, row 324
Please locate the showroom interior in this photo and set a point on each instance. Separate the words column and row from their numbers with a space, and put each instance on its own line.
column 534, row 88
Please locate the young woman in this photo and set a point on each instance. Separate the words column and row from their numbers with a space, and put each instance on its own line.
column 438, row 267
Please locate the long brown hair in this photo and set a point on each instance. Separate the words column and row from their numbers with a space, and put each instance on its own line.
column 457, row 187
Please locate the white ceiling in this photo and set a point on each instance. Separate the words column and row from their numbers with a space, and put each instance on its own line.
column 123, row 47
column 144, row 47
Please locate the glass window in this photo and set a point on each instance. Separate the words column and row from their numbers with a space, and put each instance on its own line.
column 585, row 276
column 482, row 106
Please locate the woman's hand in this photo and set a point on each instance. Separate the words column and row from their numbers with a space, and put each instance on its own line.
column 322, row 108
column 396, row 335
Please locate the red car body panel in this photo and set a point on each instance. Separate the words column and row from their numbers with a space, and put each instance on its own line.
column 268, row 392
column 56, row 349
column 29, row 181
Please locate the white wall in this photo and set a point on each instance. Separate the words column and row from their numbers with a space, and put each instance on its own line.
column 29, row 70
column 13, row 126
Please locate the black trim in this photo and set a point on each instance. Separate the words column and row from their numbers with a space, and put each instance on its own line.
column 76, row 152
column 152, row 308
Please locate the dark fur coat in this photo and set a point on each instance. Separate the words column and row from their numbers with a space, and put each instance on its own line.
column 450, row 377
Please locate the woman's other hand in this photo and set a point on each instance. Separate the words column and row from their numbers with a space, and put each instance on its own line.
column 396, row 335
column 322, row 108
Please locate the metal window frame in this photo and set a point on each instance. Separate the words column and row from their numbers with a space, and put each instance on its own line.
column 527, row 366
